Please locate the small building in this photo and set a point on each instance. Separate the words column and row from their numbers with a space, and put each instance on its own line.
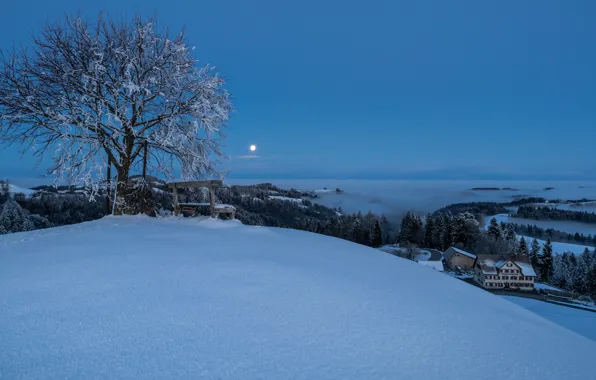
column 495, row 272
column 459, row 259
column 431, row 258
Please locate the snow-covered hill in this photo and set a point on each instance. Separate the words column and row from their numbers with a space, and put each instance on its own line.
column 130, row 298
column 17, row 189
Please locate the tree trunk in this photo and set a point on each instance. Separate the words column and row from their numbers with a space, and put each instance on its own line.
column 145, row 161
column 122, row 187
column 108, row 188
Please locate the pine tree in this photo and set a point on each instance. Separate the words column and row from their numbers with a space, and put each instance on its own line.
column 377, row 239
column 547, row 261
column 535, row 248
column 14, row 218
column 384, row 223
column 510, row 234
column 356, row 231
column 591, row 282
column 429, row 232
column 438, row 233
column 411, row 229
column 448, row 232
column 494, row 230
column 522, row 248
column 534, row 252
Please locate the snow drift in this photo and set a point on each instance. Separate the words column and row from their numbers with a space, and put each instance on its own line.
column 133, row 297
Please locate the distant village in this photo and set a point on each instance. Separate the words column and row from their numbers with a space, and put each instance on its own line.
column 490, row 272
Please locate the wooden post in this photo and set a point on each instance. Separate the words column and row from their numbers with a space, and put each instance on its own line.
column 176, row 207
column 211, row 199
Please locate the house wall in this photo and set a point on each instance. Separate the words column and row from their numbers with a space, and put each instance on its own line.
column 512, row 279
column 464, row 262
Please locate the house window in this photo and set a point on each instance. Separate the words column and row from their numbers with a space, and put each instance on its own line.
column 514, row 277
column 505, row 278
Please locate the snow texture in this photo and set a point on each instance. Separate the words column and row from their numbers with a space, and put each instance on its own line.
column 580, row 321
column 135, row 297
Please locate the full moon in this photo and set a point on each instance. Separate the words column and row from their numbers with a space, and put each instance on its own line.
column 253, row 148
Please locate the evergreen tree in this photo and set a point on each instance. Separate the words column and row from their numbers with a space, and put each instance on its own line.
column 14, row 218
column 384, row 222
column 411, row 229
column 429, row 232
column 377, row 239
column 522, row 248
column 534, row 260
column 438, row 232
column 494, row 230
column 535, row 248
column 356, row 231
column 547, row 261
column 510, row 233
column 591, row 282
column 448, row 232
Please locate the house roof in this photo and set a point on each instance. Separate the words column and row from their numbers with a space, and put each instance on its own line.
column 526, row 268
column 452, row 251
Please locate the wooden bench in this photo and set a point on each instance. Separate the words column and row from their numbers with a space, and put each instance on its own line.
column 194, row 209
column 214, row 209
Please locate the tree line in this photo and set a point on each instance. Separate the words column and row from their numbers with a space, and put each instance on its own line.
column 551, row 213
column 552, row 234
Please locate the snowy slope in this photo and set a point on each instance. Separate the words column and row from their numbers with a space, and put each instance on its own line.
column 131, row 298
column 580, row 321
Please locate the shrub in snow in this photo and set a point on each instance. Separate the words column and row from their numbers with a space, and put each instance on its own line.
column 14, row 219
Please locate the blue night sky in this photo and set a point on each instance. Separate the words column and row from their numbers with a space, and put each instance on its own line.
column 382, row 89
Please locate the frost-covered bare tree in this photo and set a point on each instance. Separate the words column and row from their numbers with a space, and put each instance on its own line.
column 94, row 94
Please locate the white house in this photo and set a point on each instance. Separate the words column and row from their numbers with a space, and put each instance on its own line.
column 495, row 272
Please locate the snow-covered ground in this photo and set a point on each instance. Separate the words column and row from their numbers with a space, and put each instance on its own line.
column 134, row 297
column 541, row 286
column 285, row 199
column 580, row 321
column 558, row 248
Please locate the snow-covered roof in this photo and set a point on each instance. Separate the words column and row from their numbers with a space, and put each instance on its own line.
column 249, row 302
column 526, row 268
column 452, row 250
